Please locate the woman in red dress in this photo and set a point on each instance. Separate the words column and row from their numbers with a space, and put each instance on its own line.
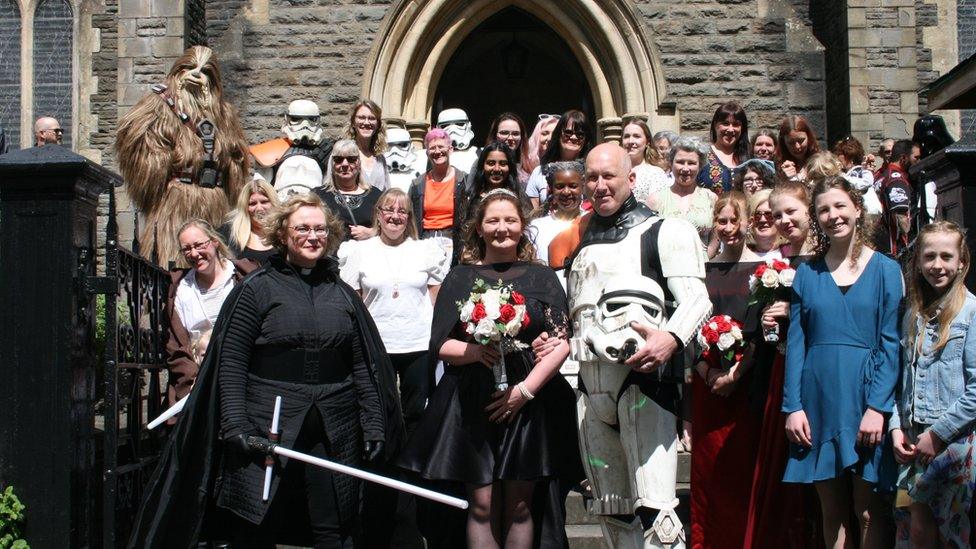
column 726, row 424
column 780, row 514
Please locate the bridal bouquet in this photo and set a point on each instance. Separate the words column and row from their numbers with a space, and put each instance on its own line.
column 771, row 282
column 722, row 334
column 495, row 314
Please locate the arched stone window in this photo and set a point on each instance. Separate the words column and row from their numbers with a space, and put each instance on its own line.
column 10, row 72
column 52, row 63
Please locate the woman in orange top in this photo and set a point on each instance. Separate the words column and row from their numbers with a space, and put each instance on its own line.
column 436, row 195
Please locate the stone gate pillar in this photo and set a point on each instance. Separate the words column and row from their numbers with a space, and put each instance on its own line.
column 48, row 444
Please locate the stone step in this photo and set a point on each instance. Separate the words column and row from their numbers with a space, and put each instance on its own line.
column 586, row 536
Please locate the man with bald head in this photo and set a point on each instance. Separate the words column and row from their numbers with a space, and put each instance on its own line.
column 652, row 269
column 47, row 130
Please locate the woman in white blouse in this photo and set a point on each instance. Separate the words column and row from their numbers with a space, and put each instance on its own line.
column 398, row 276
column 645, row 160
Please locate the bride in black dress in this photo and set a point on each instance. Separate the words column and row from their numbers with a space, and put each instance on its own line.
column 514, row 450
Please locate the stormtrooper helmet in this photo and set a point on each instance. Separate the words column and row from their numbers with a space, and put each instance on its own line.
column 297, row 174
column 625, row 299
column 302, row 123
column 455, row 122
column 400, row 158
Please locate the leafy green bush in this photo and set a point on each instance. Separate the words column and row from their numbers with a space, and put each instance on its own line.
column 11, row 518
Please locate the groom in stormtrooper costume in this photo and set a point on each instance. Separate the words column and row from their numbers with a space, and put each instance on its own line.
column 628, row 408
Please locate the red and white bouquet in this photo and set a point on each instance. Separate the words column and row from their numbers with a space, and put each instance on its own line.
column 495, row 314
column 771, row 282
column 722, row 334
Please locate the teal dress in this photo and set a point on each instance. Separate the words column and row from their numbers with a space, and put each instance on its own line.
column 842, row 357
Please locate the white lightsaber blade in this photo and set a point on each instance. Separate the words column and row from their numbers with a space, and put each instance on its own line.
column 170, row 412
column 372, row 477
column 269, row 467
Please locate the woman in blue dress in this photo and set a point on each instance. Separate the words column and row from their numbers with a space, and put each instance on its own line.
column 841, row 369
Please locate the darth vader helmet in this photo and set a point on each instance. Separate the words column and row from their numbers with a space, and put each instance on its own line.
column 302, row 123
column 400, row 157
column 931, row 135
column 455, row 122
column 625, row 299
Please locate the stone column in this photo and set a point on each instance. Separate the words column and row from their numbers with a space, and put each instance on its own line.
column 883, row 69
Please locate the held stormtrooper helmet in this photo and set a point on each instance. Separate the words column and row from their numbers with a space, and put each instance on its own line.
column 455, row 122
column 400, row 158
column 625, row 299
column 297, row 175
column 302, row 123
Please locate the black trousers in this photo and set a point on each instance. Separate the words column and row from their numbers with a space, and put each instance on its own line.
column 411, row 368
column 390, row 516
column 305, row 497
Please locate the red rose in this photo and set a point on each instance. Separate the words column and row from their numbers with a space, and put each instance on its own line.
column 518, row 298
column 525, row 320
column 723, row 325
column 506, row 313
column 479, row 313
column 779, row 265
column 760, row 270
column 711, row 337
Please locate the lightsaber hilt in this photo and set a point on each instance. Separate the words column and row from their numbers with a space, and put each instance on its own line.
column 273, row 436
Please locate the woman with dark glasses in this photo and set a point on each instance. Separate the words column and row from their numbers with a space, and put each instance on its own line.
column 347, row 193
column 571, row 139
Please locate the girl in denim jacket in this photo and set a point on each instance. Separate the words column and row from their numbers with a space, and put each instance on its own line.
column 933, row 423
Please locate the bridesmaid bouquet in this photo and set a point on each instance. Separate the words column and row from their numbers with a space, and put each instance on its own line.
column 771, row 282
column 495, row 315
column 722, row 334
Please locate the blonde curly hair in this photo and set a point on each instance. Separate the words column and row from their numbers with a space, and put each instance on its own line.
column 276, row 223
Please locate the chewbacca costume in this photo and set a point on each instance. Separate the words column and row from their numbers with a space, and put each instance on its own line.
column 171, row 175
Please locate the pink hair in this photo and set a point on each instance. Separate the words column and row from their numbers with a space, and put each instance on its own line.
column 435, row 133
column 531, row 160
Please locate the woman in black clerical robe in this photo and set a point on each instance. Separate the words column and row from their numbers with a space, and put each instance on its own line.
column 292, row 329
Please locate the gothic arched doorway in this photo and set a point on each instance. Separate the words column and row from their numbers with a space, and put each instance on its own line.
column 512, row 62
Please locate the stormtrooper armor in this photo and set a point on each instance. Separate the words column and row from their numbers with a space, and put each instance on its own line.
column 401, row 159
column 297, row 174
column 632, row 266
column 455, row 122
column 301, row 136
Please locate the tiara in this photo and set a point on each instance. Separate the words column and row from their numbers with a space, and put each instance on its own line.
column 500, row 191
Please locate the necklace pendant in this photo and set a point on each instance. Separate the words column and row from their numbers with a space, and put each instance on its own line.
column 396, row 293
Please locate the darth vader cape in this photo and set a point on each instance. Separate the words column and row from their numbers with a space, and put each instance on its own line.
column 178, row 508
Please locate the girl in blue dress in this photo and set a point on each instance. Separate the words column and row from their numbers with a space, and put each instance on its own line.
column 842, row 365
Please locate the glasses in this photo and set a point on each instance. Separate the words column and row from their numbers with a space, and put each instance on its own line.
column 547, row 116
column 337, row 160
column 510, row 133
column 365, row 118
column 57, row 131
column 574, row 132
column 762, row 216
column 394, row 213
column 305, row 230
column 196, row 246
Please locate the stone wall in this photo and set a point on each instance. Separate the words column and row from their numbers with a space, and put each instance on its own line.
column 104, row 109
column 966, row 17
column 757, row 51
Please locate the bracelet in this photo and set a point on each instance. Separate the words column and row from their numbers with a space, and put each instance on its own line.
column 525, row 392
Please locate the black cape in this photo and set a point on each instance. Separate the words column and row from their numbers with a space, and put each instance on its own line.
column 178, row 502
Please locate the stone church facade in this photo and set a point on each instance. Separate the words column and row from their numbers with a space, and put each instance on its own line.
column 850, row 66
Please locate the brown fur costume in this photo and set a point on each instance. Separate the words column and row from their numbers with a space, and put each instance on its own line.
column 155, row 147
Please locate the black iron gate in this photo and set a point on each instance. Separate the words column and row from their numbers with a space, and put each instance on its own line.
column 133, row 387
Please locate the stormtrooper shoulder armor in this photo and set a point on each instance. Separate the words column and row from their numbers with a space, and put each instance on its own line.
column 680, row 249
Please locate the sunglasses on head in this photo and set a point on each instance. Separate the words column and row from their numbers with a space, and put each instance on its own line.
column 547, row 116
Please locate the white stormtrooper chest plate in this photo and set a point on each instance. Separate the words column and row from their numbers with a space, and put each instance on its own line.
column 597, row 263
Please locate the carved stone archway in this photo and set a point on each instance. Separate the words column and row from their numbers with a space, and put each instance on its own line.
column 419, row 37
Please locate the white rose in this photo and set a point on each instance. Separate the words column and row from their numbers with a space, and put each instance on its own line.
column 492, row 303
column 786, row 277
column 713, row 325
column 514, row 325
column 726, row 341
column 736, row 332
column 468, row 328
column 466, row 310
column 753, row 282
column 770, row 278
column 702, row 341
column 485, row 329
